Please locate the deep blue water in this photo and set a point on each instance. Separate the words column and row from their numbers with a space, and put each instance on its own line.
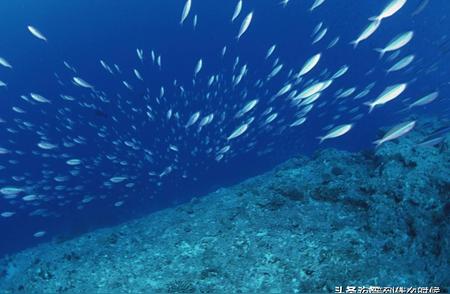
column 83, row 32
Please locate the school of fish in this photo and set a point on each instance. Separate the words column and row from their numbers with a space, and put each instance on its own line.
column 229, row 110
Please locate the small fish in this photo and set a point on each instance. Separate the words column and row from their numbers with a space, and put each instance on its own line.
column 390, row 93
column 10, row 190
column 37, row 33
column 320, row 35
column 270, row 51
column 245, row 24
column 138, row 74
column 31, row 197
column 347, row 93
column 311, row 90
column 126, row 84
column 73, row 161
column 193, row 119
column 271, row 118
column 336, row 132
column 3, row 84
column 39, row 98
column 198, row 67
column 389, row 10
column 158, row 61
column 298, row 122
column 140, row 54
column 333, row 42
column 442, row 131
column 186, row 9
column 284, row 90
column 119, row 203
column 425, row 100
column 309, row 64
column 206, row 120
column 249, row 106
column 237, row 10
column 316, row 4
column 396, row 43
column 7, row 214
column 366, row 33
column 402, row 63
column 317, row 28
column 431, row 142
column 342, row 71
column 39, row 234
column 5, row 63
column 362, row 94
column 239, row 131
column 117, row 180
column 275, row 71
column 47, row 145
column 396, row 132
column 68, row 66
column 422, row 5
column 194, row 22
column 310, row 99
column 82, row 83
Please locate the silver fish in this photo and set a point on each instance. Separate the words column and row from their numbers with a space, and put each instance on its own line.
column 238, row 132
column 389, row 10
column 309, row 64
column 237, row 10
column 396, row 43
column 39, row 98
column 390, row 93
column 336, row 132
column 366, row 33
column 186, row 9
column 402, row 63
column 82, row 83
column 5, row 63
column 245, row 24
column 396, row 132
column 37, row 33
column 425, row 100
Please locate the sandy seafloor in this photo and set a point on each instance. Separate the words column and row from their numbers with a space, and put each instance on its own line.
column 379, row 217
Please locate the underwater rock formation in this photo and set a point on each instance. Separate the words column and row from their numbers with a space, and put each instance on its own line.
column 378, row 217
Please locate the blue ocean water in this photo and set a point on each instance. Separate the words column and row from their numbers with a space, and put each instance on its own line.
column 119, row 132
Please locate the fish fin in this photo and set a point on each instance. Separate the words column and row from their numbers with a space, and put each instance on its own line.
column 354, row 43
column 374, row 18
column 378, row 143
column 381, row 51
column 370, row 104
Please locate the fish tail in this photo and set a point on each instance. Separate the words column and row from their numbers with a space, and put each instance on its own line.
column 354, row 43
column 374, row 18
column 381, row 51
column 321, row 139
column 371, row 106
column 378, row 143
